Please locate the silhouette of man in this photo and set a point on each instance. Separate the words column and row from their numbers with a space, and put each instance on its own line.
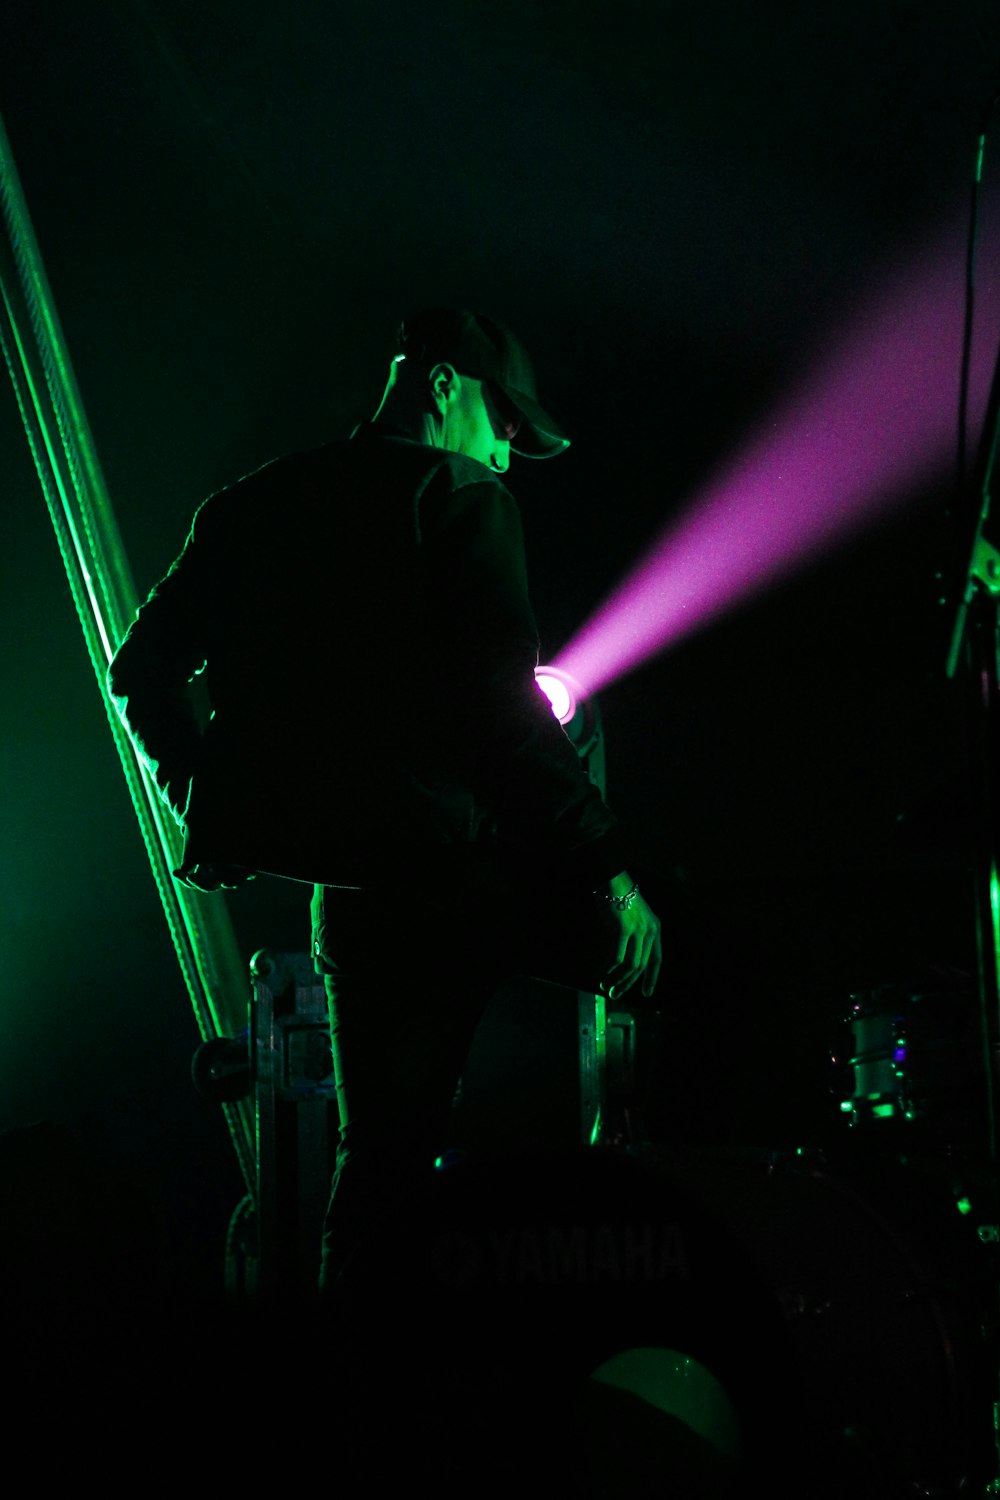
column 362, row 612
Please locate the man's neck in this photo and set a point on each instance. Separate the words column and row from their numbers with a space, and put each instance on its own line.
column 381, row 427
column 400, row 421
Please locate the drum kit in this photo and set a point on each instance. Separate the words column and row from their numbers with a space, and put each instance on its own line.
column 818, row 1321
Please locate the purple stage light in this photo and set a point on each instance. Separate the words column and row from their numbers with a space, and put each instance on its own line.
column 873, row 421
column 562, row 691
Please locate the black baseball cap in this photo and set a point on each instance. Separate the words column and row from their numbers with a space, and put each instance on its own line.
column 487, row 350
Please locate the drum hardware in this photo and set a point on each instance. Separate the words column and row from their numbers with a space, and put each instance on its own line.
column 846, row 1343
column 607, row 1063
column 918, row 1069
column 912, row 1057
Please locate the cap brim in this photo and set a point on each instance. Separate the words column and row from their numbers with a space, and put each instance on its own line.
column 538, row 436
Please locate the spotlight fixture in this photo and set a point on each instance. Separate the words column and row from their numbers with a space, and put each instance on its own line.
column 562, row 691
column 580, row 716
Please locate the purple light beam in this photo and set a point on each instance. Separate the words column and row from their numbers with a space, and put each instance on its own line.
column 875, row 418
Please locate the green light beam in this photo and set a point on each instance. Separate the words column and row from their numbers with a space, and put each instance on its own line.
column 104, row 595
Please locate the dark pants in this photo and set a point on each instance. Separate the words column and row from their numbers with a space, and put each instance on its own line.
column 408, row 974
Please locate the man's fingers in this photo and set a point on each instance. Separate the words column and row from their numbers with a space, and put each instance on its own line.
column 639, row 952
column 622, row 973
column 640, row 960
column 620, row 979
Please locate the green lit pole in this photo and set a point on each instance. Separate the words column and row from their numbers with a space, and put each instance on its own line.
column 104, row 593
column 976, row 642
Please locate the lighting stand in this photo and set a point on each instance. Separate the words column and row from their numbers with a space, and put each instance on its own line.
column 975, row 643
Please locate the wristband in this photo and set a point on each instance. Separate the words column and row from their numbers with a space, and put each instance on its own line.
column 620, row 903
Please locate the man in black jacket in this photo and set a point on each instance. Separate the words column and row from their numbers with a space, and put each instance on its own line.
column 452, row 837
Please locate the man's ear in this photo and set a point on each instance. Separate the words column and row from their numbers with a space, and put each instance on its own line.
column 444, row 383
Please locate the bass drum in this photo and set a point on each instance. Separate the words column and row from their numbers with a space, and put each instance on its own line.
column 885, row 1294
column 680, row 1324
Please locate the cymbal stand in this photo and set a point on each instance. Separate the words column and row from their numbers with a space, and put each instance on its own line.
column 975, row 644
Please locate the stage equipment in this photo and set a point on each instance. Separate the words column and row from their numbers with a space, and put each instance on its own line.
column 100, row 581
column 561, row 690
column 285, row 1057
column 975, row 647
column 913, row 1055
column 297, row 1119
column 831, row 1305
column 580, row 716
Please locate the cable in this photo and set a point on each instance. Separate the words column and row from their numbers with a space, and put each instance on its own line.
column 970, row 294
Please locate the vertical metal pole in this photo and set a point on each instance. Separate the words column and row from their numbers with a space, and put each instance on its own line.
column 100, row 581
column 978, row 631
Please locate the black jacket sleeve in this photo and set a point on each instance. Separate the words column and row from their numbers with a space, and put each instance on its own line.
column 519, row 756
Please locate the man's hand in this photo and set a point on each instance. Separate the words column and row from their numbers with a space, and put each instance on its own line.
column 639, row 947
column 213, row 877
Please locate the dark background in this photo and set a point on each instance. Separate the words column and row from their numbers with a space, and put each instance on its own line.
column 675, row 205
